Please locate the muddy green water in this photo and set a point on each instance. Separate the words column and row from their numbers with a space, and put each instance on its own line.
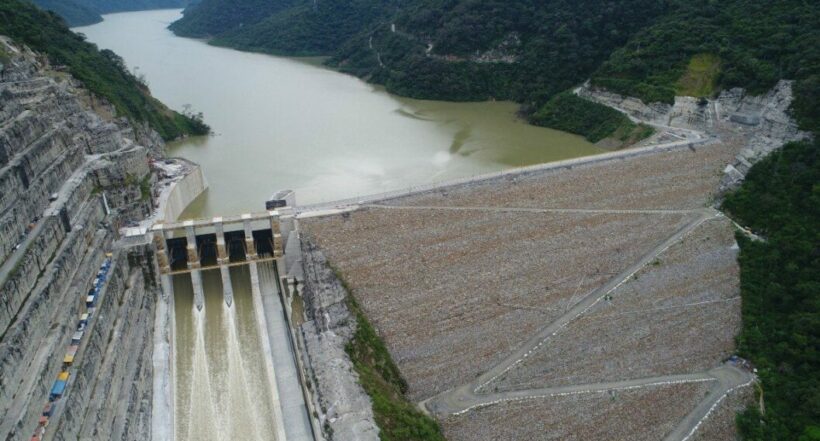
column 283, row 123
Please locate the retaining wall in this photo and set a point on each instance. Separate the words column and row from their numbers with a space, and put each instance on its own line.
column 183, row 193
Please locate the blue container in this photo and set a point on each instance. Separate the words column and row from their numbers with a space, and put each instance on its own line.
column 58, row 389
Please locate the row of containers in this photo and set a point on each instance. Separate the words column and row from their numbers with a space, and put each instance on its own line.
column 59, row 386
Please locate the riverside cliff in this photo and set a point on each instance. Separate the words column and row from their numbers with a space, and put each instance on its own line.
column 70, row 174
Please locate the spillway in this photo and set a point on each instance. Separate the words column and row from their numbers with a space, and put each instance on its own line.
column 222, row 389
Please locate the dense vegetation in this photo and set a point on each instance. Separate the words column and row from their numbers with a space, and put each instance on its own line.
column 72, row 11
column 290, row 27
column 397, row 418
column 525, row 50
column 102, row 72
column 108, row 6
column 780, row 285
column 217, row 17
column 756, row 43
column 531, row 50
column 87, row 12
column 594, row 121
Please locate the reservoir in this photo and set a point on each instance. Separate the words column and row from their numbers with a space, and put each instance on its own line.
column 283, row 123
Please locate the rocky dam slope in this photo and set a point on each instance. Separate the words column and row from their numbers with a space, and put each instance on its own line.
column 70, row 174
column 596, row 298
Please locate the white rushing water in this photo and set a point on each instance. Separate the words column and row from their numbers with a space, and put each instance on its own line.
column 222, row 389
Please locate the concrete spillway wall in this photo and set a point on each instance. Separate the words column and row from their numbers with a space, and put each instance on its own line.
column 183, row 192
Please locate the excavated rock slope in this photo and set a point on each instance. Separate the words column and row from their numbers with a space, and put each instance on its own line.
column 760, row 123
column 69, row 173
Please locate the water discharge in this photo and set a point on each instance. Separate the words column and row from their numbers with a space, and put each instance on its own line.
column 239, row 390
column 201, row 402
column 222, row 390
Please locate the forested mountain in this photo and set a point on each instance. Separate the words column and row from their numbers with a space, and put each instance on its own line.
column 531, row 50
column 73, row 11
column 291, row 27
column 106, row 6
column 752, row 44
column 101, row 72
column 217, row 17
column 780, row 284
column 86, row 12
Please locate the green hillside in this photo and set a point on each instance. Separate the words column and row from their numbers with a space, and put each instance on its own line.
column 755, row 43
column 73, row 11
column 87, row 12
column 290, row 27
column 531, row 50
column 108, row 6
column 780, row 286
column 102, row 72
column 216, row 17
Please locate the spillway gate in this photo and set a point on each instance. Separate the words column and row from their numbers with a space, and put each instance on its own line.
column 192, row 246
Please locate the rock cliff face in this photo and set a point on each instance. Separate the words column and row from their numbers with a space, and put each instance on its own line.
column 762, row 123
column 69, row 175
column 346, row 410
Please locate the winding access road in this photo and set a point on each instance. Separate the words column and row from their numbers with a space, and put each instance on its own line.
column 473, row 395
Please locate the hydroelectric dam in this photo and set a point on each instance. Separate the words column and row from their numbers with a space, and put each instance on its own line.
column 223, row 337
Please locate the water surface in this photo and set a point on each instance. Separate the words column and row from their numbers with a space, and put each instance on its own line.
column 284, row 123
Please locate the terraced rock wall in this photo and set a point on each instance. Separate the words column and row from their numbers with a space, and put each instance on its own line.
column 70, row 173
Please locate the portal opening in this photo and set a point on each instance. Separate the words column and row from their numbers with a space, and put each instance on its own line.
column 178, row 253
column 263, row 239
column 235, row 242
column 206, row 246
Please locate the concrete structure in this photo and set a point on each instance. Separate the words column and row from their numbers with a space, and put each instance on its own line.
column 195, row 245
